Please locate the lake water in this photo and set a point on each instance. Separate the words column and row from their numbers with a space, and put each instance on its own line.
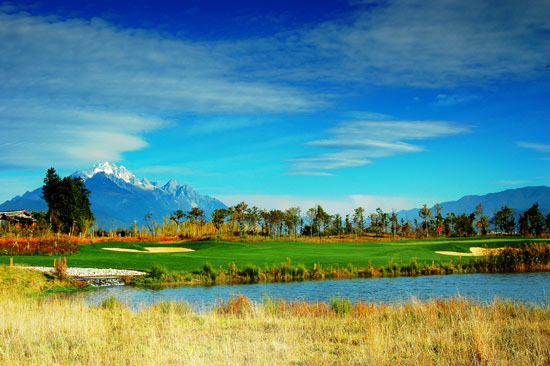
column 529, row 288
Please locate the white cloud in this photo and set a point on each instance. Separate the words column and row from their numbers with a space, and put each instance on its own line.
column 69, row 138
column 327, row 161
column 67, row 86
column 397, row 130
column 358, row 140
column 534, row 146
column 51, row 66
column 342, row 205
column 450, row 100
column 433, row 43
column 93, row 62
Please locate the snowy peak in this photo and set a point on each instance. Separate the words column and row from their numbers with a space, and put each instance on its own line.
column 110, row 169
column 120, row 173
column 171, row 186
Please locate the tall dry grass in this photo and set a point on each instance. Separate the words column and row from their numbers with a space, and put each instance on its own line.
column 457, row 332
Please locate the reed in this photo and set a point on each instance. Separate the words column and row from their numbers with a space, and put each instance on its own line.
column 66, row 331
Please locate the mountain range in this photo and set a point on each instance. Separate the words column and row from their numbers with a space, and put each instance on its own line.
column 118, row 198
column 519, row 199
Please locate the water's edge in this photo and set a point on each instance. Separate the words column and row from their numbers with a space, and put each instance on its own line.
column 529, row 288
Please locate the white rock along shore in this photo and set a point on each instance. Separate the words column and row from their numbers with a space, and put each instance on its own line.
column 92, row 272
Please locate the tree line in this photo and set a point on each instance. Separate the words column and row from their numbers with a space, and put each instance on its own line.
column 69, row 212
column 243, row 220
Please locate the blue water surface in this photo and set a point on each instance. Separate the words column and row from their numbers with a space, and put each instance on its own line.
column 528, row 288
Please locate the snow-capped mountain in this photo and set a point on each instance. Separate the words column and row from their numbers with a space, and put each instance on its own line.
column 118, row 173
column 119, row 198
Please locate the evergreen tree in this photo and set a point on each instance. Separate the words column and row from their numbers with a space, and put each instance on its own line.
column 535, row 221
column 68, row 203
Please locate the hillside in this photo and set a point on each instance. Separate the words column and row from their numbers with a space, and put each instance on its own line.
column 518, row 199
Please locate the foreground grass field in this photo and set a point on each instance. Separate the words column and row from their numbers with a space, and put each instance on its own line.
column 47, row 331
column 220, row 254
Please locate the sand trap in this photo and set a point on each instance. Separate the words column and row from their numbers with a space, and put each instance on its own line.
column 475, row 252
column 152, row 250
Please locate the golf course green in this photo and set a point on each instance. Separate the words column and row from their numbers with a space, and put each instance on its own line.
column 221, row 253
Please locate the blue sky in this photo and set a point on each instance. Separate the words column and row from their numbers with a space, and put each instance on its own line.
column 386, row 104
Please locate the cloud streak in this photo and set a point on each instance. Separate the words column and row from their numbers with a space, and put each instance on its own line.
column 358, row 141
column 435, row 43
column 125, row 82
column 74, row 92
column 40, row 137
column 544, row 148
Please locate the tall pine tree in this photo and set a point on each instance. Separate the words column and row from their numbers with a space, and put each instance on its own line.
column 68, row 203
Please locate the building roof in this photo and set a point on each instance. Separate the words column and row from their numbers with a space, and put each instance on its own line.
column 16, row 215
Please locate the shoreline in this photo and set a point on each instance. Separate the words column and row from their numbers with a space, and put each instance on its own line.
column 90, row 272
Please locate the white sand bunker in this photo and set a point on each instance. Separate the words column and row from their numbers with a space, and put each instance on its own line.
column 152, row 250
column 475, row 252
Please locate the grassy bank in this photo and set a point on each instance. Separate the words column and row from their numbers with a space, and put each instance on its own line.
column 20, row 281
column 60, row 331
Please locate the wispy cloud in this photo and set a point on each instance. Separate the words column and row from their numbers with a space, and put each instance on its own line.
column 61, row 65
column 74, row 92
column 327, row 161
column 130, row 68
column 41, row 136
column 433, row 43
column 397, row 130
column 446, row 100
column 534, row 146
column 372, row 116
column 358, row 141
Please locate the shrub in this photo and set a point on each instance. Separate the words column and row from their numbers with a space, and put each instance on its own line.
column 252, row 272
column 111, row 303
column 340, row 306
column 60, row 268
column 40, row 246
column 235, row 306
column 158, row 272
column 173, row 307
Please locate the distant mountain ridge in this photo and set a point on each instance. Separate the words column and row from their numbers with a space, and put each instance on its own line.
column 119, row 198
column 519, row 199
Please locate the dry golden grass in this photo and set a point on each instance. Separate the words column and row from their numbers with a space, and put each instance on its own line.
column 47, row 331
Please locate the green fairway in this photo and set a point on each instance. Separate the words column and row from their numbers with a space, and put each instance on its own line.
column 219, row 253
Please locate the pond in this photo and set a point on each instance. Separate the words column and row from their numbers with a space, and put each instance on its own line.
column 529, row 288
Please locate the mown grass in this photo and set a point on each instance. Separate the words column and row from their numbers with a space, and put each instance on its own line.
column 219, row 253
column 60, row 331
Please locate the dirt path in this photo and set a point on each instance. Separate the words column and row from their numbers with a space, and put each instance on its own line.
column 152, row 250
